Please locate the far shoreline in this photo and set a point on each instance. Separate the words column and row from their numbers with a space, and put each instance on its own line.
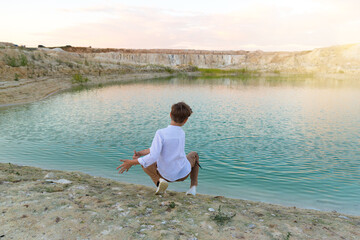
column 45, row 88
column 28, row 91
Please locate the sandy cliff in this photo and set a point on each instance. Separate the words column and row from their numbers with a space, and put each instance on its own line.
column 17, row 62
column 336, row 59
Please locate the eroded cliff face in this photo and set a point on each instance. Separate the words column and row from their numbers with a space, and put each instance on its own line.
column 18, row 63
column 26, row 63
column 337, row 59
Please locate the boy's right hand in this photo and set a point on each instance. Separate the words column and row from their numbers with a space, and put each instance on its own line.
column 136, row 155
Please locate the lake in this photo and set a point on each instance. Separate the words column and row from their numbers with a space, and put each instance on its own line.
column 291, row 140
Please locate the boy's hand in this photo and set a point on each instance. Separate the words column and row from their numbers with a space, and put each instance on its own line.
column 136, row 155
column 127, row 164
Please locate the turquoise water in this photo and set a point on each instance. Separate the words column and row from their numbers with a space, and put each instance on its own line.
column 286, row 141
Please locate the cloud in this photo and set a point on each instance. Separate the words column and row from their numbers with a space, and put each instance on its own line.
column 256, row 26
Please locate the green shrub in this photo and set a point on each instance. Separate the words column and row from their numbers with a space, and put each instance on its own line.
column 193, row 68
column 10, row 61
column 78, row 78
column 23, row 60
column 59, row 61
column 169, row 69
column 277, row 71
column 70, row 65
column 16, row 61
column 16, row 78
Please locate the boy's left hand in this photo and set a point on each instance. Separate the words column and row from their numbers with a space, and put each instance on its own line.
column 127, row 164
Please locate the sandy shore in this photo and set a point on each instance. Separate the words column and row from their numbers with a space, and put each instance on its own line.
column 30, row 90
column 48, row 204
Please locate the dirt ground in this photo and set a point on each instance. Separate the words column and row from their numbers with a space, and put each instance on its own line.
column 47, row 204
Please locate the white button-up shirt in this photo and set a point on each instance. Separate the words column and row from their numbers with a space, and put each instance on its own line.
column 168, row 151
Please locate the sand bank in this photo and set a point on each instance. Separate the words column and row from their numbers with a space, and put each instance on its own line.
column 47, row 204
column 30, row 90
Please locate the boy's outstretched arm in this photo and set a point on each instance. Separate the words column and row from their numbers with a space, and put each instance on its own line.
column 141, row 153
column 127, row 164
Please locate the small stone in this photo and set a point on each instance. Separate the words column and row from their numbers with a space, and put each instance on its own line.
column 105, row 232
column 251, row 226
column 50, row 175
column 237, row 236
column 146, row 227
column 261, row 220
column 211, row 210
column 164, row 232
column 80, row 187
column 61, row 181
column 344, row 217
column 229, row 228
column 118, row 207
column 163, row 222
column 273, row 215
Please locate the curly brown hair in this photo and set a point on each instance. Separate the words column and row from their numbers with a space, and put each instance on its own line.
column 180, row 112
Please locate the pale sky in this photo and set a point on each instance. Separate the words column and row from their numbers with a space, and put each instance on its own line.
column 269, row 25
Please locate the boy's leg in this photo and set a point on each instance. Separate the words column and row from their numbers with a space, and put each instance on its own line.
column 152, row 172
column 193, row 158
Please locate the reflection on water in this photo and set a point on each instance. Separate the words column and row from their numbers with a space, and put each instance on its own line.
column 293, row 141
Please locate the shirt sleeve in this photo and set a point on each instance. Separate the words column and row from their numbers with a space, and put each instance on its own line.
column 155, row 151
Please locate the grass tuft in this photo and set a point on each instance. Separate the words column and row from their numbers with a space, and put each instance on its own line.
column 217, row 71
column 16, row 77
column 288, row 236
column 221, row 218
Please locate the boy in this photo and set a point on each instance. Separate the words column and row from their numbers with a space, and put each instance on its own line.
column 165, row 161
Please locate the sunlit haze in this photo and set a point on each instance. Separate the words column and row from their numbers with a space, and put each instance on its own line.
column 273, row 25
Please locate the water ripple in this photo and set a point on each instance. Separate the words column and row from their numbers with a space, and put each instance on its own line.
column 284, row 142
